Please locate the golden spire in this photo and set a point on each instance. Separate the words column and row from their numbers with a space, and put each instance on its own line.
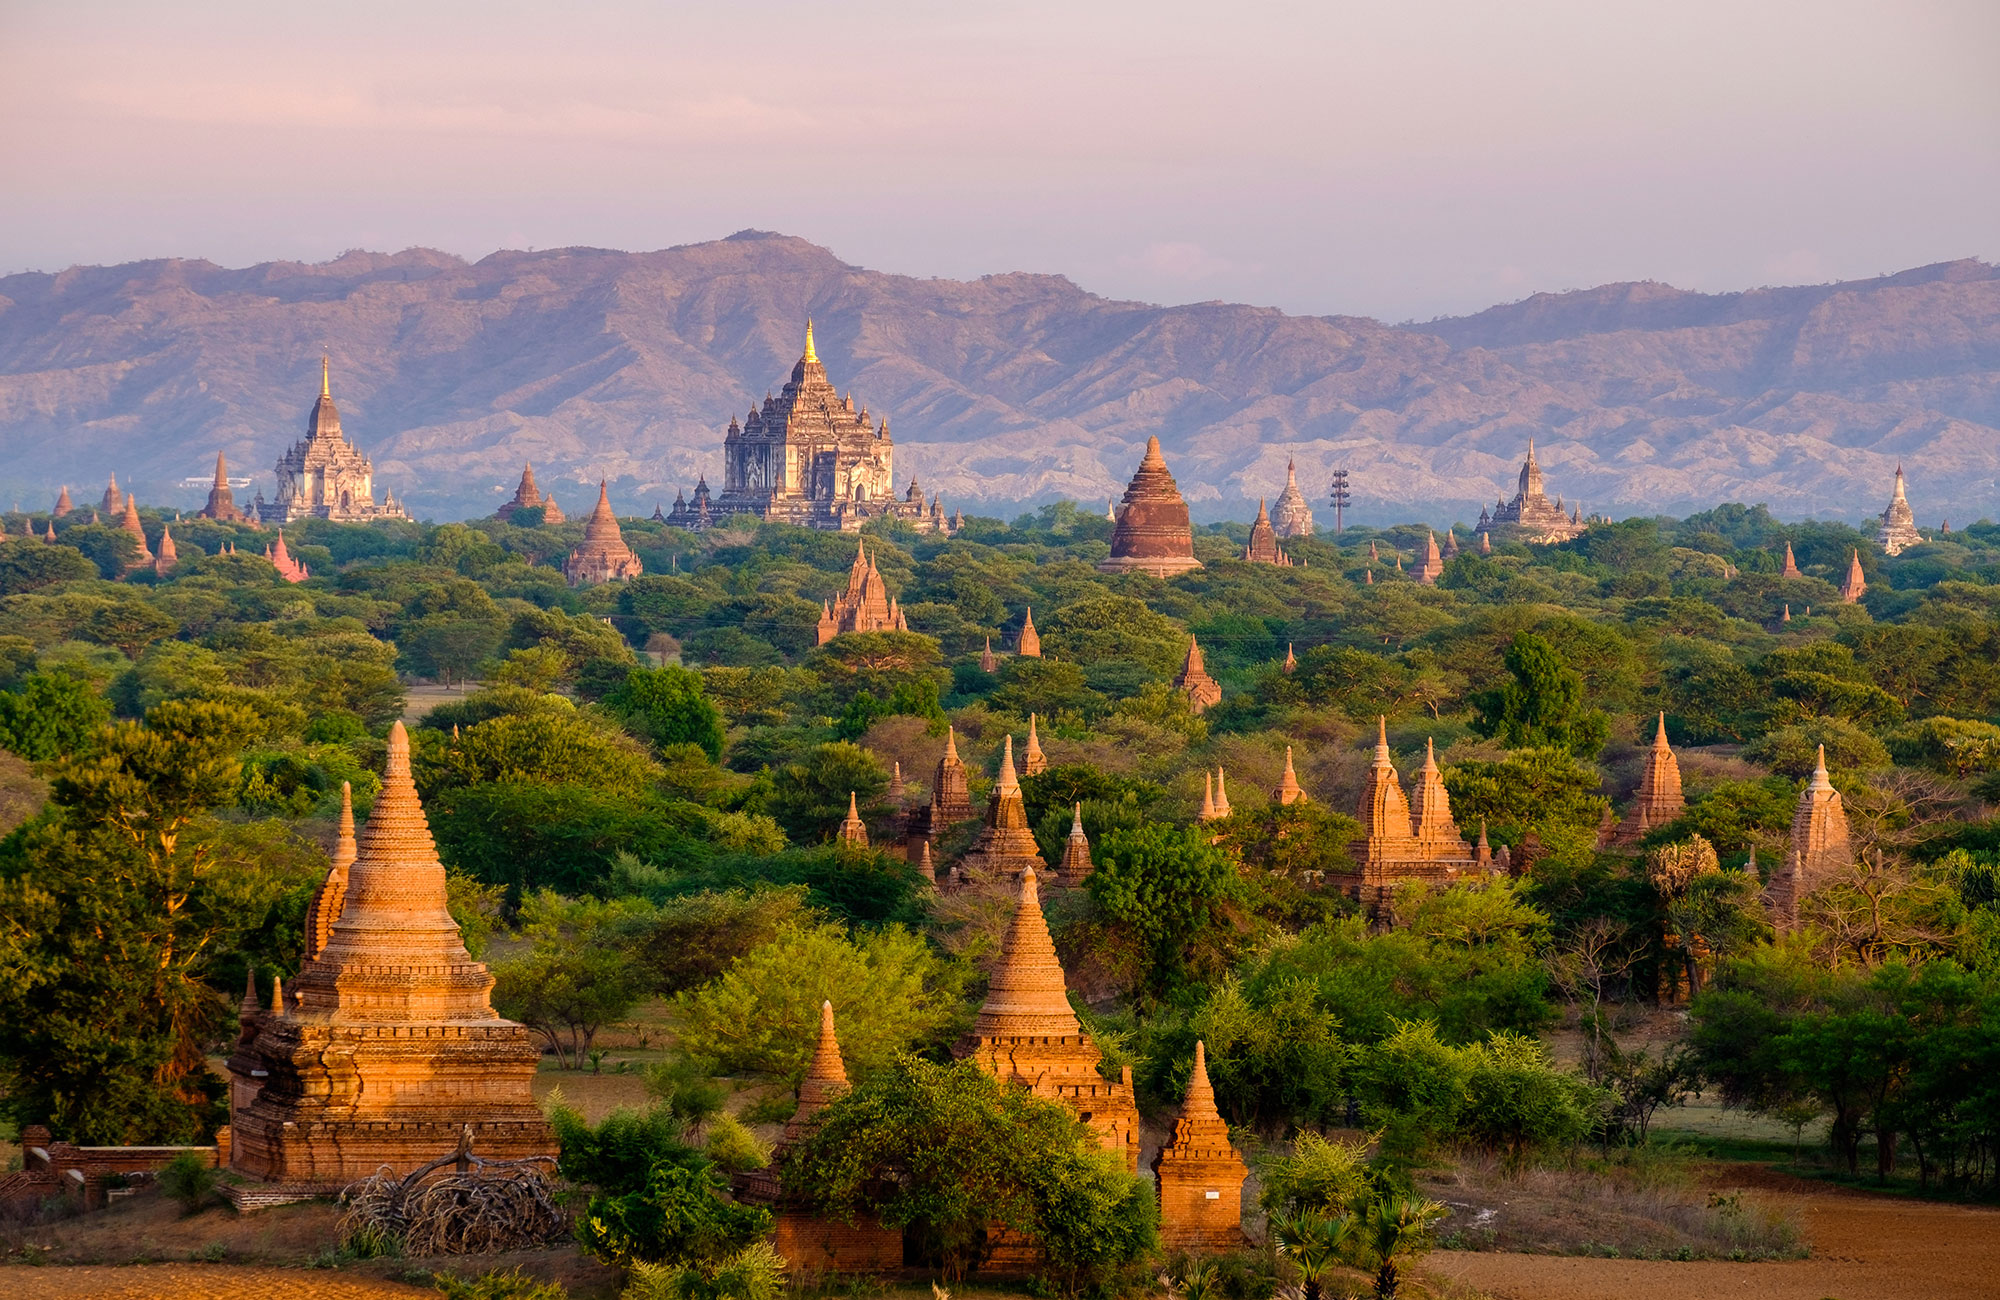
column 812, row 353
column 325, row 375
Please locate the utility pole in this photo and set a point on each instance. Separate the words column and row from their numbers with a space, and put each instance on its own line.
column 1341, row 500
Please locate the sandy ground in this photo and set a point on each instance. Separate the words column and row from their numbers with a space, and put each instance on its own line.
column 196, row 1282
column 1863, row 1248
column 421, row 698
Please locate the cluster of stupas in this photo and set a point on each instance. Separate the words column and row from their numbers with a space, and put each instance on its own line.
column 528, row 495
column 1026, row 1034
column 324, row 476
column 1531, row 516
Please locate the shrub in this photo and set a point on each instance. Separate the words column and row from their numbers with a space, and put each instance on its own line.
column 189, row 1178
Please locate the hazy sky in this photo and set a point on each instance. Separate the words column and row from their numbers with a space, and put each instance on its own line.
column 1400, row 158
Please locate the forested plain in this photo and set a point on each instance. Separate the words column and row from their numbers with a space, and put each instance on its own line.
column 637, row 786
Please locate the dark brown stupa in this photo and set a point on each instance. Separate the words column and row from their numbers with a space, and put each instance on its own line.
column 528, row 495
column 1153, row 534
column 1194, row 682
column 221, row 505
column 1005, row 845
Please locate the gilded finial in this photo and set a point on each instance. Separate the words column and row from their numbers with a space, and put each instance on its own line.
column 325, row 375
column 812, row 353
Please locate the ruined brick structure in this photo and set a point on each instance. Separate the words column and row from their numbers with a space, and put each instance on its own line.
column 1531, row 516
column 1432, row 567
column 1153, row 533
column 1287, row 793
column 1199, row 1174
column 603, row 556
column 1033, row 761
column 387, row 1045
column 1856, row 584
column 1030, row 644
column 324, row 476
column 1076, row 865
column 950, row 801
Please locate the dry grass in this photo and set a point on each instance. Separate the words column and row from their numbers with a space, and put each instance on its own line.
column 1639, row 1207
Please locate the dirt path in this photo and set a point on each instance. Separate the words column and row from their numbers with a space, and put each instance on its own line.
column 195, row 1282
column 1863, row 1248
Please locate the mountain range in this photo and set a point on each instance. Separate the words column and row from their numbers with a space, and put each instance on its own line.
column 1008, row 390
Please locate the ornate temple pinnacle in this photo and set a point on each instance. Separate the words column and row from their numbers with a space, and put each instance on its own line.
column 325, row 375
column 812, row 353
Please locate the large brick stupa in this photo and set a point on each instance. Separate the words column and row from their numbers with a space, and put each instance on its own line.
column 387, row 1045
column 1153, row 534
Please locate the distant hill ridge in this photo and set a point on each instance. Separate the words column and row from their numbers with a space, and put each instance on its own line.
column 1008, row 389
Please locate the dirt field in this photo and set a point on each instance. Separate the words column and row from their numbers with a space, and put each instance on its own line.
column 1864, row 1248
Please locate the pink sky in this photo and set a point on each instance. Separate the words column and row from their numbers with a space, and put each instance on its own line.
column 1397, row 159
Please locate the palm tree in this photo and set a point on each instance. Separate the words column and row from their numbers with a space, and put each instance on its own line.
column 1395, row 1233
column 1314, row 1243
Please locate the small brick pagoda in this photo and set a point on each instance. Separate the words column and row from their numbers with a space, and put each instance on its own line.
column 527, row 496
column 1199, row 1174
column 1819, row 851
column 1005, row 845
column 1076, row 864
column 1030, row 644
column 950, row 802
column 1153, row 533
column 387, row 1045
column 1027, row 1034
column 1856, row 584
column 603, row 556
column 1263, row 546
column 1659, row 799
column 221, row 505
column 1194, row 682
column 1033, row 761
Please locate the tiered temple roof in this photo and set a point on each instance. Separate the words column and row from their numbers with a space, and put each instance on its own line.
column 1153, row 533
column 142, row 555
column 826, row 1079
column 950, row 801
column 1030, row 644
column 389, row 1046
column 1791, row 569
column 1026, row 1033
column 1898, row 532
column 1531, row 515
column 1005, row 844
column 853, row 831
column 808, row 457
column 114, row 500
column 62, row 506
column 527, row 496
column 865, row 606
column 1659, row 800
column 281, row 559
column 1199, row 1174
column 166, row 558
column 1293, row 518
column 221, row 505
column 324, row 476
column 1288, row 791
column 1194, row 682
column 603, row 556
column 1820, row 847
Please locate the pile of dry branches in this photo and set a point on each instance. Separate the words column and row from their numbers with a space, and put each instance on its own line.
column 476, row 1207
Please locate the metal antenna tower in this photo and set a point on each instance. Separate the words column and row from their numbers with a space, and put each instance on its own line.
column 1341, row 500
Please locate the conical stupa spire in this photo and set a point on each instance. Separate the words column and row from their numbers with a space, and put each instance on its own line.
column 1288, row 791
column 1820, row 780
column 826, row 1076
column 1221, row 792
column 325, row 375
column 1027, row 995
column 277, row 996
column 1033, row 760
column 1660, row 736
column 1207, row 813
column 1381, row 741
column 951, row 744
column 812, row 353
column 1008, row 782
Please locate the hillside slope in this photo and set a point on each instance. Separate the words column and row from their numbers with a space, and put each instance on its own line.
column 1007, row 389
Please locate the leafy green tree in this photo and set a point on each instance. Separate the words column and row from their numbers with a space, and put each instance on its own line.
column 110, row 548
column 1290, row 840
column 579, row 975
column 875, row 662
column 49, row 715
column 450, row 648
column 1543, row 706
column 1172, row 892
column 1412, row 1086
column 1104, row 628
column 890, row 994
column 127, row 626
column 30, row 568
column 809, row 798
column 1794, row 751
column 1319, row 1177
column 670, row 706
column 553, row 747
column 1952, row 746
column 1518, row 1103
column 112, row 911
column 948, row 1152
column 1540, row 792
